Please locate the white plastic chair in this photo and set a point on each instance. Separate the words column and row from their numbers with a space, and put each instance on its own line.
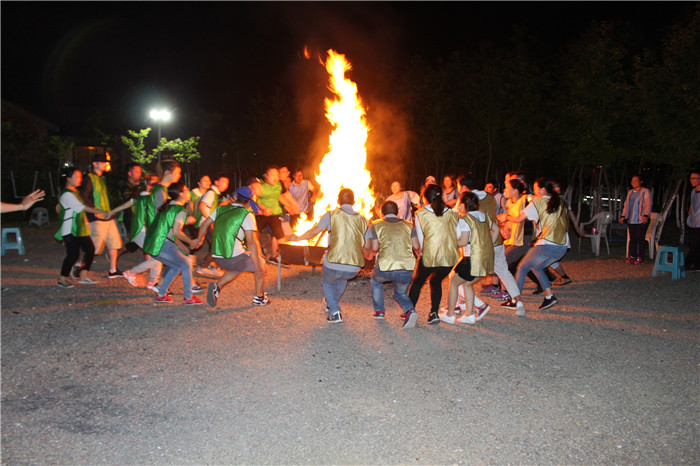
column 40, row 215
column 600, row 221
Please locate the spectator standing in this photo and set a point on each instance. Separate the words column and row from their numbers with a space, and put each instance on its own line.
column 693, row 261
column 304, row 193
column 636, row 213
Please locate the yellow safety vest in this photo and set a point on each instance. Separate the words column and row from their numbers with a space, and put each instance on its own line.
column 439, row 240
column 347, row 238
column 481, row 256
column 395, row 250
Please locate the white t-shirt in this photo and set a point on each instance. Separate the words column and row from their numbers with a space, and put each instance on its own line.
column 72, row 205
column 248, row 224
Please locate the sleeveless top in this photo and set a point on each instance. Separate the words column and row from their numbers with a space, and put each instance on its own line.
column 228, row 223
column 481, row 256
column 439, row 240
column 347, row 238
column 395, row 249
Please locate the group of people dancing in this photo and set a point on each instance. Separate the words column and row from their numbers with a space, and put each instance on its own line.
column 455, row 231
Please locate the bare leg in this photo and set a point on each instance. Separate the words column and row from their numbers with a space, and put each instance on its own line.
column 113, row 254
column 455, row 282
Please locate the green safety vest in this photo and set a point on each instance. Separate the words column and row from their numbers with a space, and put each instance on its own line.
column 270, row 197
column 100, row 195
column 80, row 224
column 229, row 219
column 157, row 231
column 150, row 204
column 138, row 218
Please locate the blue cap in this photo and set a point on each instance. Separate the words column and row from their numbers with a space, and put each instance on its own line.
column 245, row 194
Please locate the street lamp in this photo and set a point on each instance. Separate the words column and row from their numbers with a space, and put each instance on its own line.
column 159, row 116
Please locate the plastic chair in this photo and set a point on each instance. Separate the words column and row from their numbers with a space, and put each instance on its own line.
column 39, row 216
column 670, row 259
column 600, row 221
column 17, row 244
column 649, row 236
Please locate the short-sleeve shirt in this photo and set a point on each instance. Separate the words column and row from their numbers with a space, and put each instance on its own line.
column 531, row 212
column 71, row 205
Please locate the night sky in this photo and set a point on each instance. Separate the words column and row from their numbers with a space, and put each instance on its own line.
column 64, row 61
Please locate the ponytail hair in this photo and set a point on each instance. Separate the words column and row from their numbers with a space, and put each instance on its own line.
column 174, row 191
column 433, row 194
column 554, row 200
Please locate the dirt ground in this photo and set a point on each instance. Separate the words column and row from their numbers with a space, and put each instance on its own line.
column 100, row 374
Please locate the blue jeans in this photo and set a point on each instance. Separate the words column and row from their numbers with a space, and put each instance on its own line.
column 538, row 258
column 401, row 280
column 175, row 262
column 334, row 283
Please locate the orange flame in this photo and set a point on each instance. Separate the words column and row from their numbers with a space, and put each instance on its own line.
column 343, row 166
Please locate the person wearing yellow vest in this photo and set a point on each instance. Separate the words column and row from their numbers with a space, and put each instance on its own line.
column 478, row 234
column 437, row 237
column 74, row 230
column 348, row 236
column 235, row 246
column 511, row 294
column 209, row 202
column 103, row 231
column 552, row 217
column 391, row 241
column 167, row 243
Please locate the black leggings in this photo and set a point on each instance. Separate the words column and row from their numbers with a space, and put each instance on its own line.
column 637, row 232
column 420, row 275
column 73, row 246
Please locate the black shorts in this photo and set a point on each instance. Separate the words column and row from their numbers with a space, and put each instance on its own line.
column 464, row 269
column 275, row 224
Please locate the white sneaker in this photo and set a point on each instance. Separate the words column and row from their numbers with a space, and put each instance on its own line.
column 520, row 309
column 130, row 277
column 447, row 319
column 87, row 281
column 467, row 319
column 206, row 272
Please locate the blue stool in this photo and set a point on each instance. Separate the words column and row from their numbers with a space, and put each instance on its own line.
column 669, row 259
column 17, row 244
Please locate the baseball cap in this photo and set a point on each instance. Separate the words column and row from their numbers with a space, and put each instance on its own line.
column 245, row 194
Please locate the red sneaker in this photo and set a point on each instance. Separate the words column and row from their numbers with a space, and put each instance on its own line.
column 191, row 301
column 163, row 299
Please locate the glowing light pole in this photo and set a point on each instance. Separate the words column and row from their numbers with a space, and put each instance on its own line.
column 159, row 116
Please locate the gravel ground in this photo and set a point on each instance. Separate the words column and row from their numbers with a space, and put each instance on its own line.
column 99, row 374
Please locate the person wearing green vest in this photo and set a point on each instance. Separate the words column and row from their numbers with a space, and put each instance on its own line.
column 235, row 245
column 137, row 232
column 391, row 240
column 74, row 230
column 130, row 190
column 103, row 231
column 348, row 245
column 273, row 201
column 210, row 200
column 167, row 243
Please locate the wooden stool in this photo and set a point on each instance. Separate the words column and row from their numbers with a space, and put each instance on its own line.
column 669, row 259
column 17, row 244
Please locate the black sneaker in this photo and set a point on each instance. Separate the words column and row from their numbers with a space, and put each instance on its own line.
column 335, row 318
column 273, row 261
column 378, row 314
column 197, row 288
column 212, row 294
column 548, row 302
column 261, row 300
column 510, row 304
column 75, row 272
column 538, row 291
column 433, row 318
column 116, row 274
